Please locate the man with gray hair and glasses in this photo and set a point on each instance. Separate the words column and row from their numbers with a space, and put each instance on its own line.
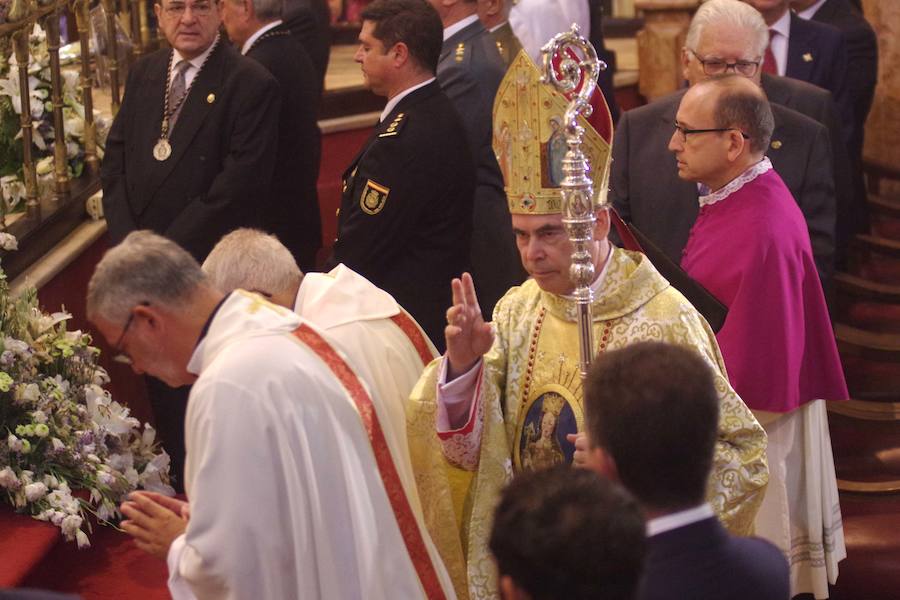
column 290, row 493
column 726, row 36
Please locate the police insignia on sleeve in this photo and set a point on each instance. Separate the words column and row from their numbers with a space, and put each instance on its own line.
column 373, row 198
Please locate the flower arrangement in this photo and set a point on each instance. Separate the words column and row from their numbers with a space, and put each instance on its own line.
column 60, row 431
column 11, row 158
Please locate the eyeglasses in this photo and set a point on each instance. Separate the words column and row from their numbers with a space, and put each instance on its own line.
column 199, row 9
column 685, row 132
column 717, row 66
column 120, row 355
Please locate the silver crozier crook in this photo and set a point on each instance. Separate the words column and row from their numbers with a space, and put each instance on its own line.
column 578, row 63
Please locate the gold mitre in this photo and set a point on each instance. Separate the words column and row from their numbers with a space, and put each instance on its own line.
column 530, row 140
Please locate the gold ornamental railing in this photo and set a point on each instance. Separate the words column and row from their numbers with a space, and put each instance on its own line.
column 100, row 28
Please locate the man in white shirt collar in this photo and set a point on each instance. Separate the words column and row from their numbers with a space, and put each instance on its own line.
column 651, row 415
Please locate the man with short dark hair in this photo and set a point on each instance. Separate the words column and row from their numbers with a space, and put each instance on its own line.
column 406, row 211
column 652, row 413
column 749, row 247
column 291, row 494
column 566, row 534
column 291, row 209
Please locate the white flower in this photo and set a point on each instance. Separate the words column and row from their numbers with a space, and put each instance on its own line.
column 28, row 394
column 35, row 491
column 50, row 481
column 106, row 511
column 37, row 416
column 82, row 539
column 14, row 443
column 44, row 166
column 8, row 241
column 41, row 430
column 57, row 444
column 8, row 478
column 70, row 525
column 105, row 478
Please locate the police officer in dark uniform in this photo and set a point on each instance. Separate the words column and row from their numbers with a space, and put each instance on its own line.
column 406, row 211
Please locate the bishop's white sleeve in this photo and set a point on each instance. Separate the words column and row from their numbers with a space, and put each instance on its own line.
column 459, row 416
column 178, row 587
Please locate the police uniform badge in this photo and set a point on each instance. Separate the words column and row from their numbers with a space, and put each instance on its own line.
column 373, row 198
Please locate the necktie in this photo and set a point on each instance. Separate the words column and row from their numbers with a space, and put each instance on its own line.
column 177, row 91
column 769, row 65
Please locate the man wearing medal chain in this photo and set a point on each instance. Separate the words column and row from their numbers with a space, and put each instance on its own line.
column 190, row 154
column 504, row 387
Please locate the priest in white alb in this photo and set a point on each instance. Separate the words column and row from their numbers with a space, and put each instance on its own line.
column 292, row 490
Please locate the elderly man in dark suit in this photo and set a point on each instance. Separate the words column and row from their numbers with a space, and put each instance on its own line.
column 651, row 413
column 190, row 154
column 724, row 35
column 469, row 71
column 291, row 211
column 494, row 15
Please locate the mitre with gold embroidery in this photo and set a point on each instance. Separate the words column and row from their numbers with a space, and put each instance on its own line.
column 530, row 140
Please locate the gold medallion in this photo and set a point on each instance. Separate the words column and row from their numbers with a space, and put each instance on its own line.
column 162, row 150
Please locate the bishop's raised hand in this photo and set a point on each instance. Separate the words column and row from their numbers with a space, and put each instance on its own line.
column 468, row 336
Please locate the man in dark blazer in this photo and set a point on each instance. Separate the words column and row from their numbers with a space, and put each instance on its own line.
column 202, row 176
column 651, row 415
column 406, row 210
column 814, row 53
column 291, row 211
column 469, row 71
column 644, row 182
column 862, row 55
column 310, row 22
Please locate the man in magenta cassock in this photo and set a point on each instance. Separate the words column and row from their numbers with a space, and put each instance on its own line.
column 750, row 248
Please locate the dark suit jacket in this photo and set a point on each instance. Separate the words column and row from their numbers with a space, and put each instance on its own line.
column 702, row 561
column 291, row 211
column 469, row 71
column 849, row 190
column 862, row 61
column 646, row 189
column 223, row 150
column 817, row 54
column 313, row 31
column 413, row 238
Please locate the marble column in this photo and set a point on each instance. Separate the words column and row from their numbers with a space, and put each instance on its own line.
column 659, row 44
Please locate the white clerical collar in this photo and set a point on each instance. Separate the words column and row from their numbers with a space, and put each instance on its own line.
column 678, row 519
column 737, row 183
column 392, row 103
column 783, row 25
column 257, row 34
column 459, row 26
column 810, row 12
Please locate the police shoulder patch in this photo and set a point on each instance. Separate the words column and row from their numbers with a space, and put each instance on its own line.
column 373, row 198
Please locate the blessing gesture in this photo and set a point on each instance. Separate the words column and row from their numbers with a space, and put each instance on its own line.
column 468, row 336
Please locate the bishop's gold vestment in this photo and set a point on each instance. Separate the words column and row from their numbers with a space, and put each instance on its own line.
column 530, row 384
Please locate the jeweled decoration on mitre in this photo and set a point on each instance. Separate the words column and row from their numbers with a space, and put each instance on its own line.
column 530, row 140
